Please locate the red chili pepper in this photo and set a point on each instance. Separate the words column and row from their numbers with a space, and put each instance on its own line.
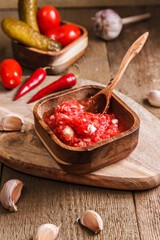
column 66, row 81
column 34, row 80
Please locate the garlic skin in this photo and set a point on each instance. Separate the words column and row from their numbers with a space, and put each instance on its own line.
column 46, row 232
column 10, row 194
column 12, row 122
column 154, row 98
column 92, row 220
column 107, row 24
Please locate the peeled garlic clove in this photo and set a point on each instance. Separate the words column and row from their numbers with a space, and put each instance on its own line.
column 154, row 98
column 46, row 232
column 12, row 122
column 10, row 194
column 92, row 220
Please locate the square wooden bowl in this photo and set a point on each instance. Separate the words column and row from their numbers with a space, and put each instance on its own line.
column 76, row 160
column 59, row 61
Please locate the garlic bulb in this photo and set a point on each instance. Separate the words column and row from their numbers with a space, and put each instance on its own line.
column 92, row 220
column 46, row 232
column 154, row 98
column 12, row 122
column 108, row 24
column 10, row 194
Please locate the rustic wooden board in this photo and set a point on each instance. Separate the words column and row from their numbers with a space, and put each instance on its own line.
column 26, row 153
column 83, row 3
column 44, row 200
column 57, row 202
column 144, row 78
column 143, row 73
column 62, row 203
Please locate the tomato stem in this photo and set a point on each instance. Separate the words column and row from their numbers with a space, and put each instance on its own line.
column 11, row 81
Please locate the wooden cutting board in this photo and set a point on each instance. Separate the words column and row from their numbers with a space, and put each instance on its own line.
column 25, row 152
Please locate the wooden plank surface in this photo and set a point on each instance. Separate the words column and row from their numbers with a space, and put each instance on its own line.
column 143, row 73
column 44, row 200
column 50, row 201
column 0, row 170
column 136, row 172
column 91, row 68
column 83, row 3
column 142, row 76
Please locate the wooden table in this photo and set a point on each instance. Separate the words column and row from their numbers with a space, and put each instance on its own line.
column 126, row 214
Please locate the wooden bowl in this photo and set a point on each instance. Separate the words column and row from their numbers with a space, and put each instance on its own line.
column 76, row 160
column 59, row 61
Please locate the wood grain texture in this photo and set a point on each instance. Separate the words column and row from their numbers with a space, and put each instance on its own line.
column 5, row 43
column 83, row 3
column 144, row 78
column 141, row 170
column 0, row 170
column 120, row 219
column 50, row 201
column 147, row 210
column 147, row 74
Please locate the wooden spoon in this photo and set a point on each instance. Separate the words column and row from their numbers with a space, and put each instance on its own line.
column 100, row 101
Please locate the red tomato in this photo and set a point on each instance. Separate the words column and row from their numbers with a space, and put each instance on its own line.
column 10, row 73
column 64, row 34
column 48, row 17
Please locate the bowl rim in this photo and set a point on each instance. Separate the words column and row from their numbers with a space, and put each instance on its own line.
column 129, row 131
column 64, row 49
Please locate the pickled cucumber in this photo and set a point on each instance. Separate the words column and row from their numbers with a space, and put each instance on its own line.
column 27, row 10
column 20, row 31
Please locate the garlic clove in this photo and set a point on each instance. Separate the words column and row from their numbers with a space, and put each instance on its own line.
column 12, row 122
column 11, row 193
column 154, row 98
column 92, row 220
column 46, row 232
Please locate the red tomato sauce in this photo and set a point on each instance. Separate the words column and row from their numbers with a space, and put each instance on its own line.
column 78, row 128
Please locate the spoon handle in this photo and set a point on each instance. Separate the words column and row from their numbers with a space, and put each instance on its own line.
column 107, row 91
column 131, row 53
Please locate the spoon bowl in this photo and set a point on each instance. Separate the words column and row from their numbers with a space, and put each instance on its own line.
column 99, row 103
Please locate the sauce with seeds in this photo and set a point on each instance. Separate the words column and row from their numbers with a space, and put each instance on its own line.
column 78, row 128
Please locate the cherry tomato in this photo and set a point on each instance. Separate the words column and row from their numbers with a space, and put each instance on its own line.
column 64, row 34
column 10, row 73
column 48, row 17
